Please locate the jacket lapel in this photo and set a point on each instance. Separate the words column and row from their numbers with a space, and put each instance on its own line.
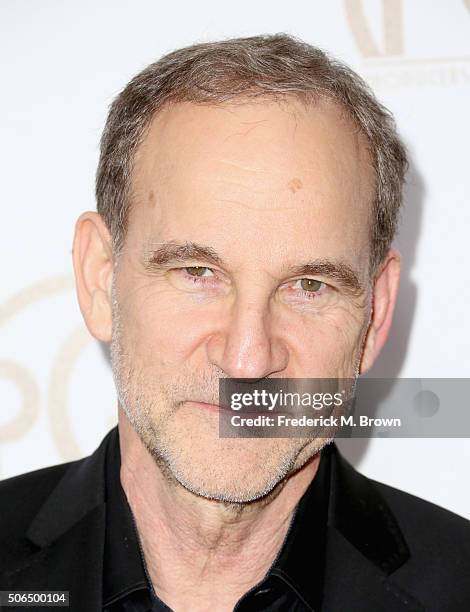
column 67, row 537
column 73, row 563
column 365, row 547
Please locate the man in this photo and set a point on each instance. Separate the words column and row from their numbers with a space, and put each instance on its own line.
column 248, row 192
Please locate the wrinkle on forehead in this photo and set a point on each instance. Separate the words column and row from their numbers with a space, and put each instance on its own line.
column 240, row 166
column 197, row 156
column 186, row 131
column 253, row 125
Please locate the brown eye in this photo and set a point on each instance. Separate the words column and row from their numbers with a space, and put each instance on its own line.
column 310, row 284
column 197, row 270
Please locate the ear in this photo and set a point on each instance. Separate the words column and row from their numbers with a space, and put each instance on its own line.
column 384, row 298
column 93, row 266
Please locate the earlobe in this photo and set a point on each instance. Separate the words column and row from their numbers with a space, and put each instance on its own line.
column 93, row 267
column 384, row 298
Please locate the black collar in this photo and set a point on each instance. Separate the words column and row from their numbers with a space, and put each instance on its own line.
column 301, row 561
column 299, row 564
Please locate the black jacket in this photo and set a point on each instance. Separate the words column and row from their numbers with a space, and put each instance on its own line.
column 387, row 551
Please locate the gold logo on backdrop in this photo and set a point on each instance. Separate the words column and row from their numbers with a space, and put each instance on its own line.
column 386, row 62
column 29, row 392
column 392, row 14
column 62, row 367
column 24, row 380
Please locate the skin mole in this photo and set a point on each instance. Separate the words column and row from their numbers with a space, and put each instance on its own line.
column 295, row 184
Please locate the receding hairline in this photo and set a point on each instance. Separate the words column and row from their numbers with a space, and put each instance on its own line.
column 232, row 70
column 285, row 102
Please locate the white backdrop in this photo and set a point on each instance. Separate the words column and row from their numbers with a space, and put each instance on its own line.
column 63, row 62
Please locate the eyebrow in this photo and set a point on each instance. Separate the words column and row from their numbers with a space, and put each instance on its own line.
column 338, row 271
column 173, row 252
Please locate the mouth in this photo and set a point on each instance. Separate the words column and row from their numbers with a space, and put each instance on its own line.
column 224, row 410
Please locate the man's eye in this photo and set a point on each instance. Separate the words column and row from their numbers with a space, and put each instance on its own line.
column 199, row 271
column 310, row 285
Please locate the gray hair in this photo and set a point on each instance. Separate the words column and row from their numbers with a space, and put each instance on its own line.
column 241, row 69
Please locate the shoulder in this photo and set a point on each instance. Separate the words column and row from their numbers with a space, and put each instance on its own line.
column 38, row 508
column 438, row 541
column 425, row 547
column 22, row 496
column 417, row 515
column 419, row 520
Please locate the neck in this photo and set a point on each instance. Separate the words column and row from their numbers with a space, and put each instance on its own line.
column 199, row 550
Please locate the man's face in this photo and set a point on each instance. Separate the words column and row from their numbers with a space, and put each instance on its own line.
column 246, row 256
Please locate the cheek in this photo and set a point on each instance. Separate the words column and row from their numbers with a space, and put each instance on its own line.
column 162, row 329
column 330, row 343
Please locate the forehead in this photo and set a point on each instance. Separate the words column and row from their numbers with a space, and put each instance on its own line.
column 258, row 133
column 289, row 162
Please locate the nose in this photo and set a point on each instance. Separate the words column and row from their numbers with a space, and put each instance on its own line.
column 246, row 345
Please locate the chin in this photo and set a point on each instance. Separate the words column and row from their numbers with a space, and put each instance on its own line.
column 232, row 470
column 228, row 490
